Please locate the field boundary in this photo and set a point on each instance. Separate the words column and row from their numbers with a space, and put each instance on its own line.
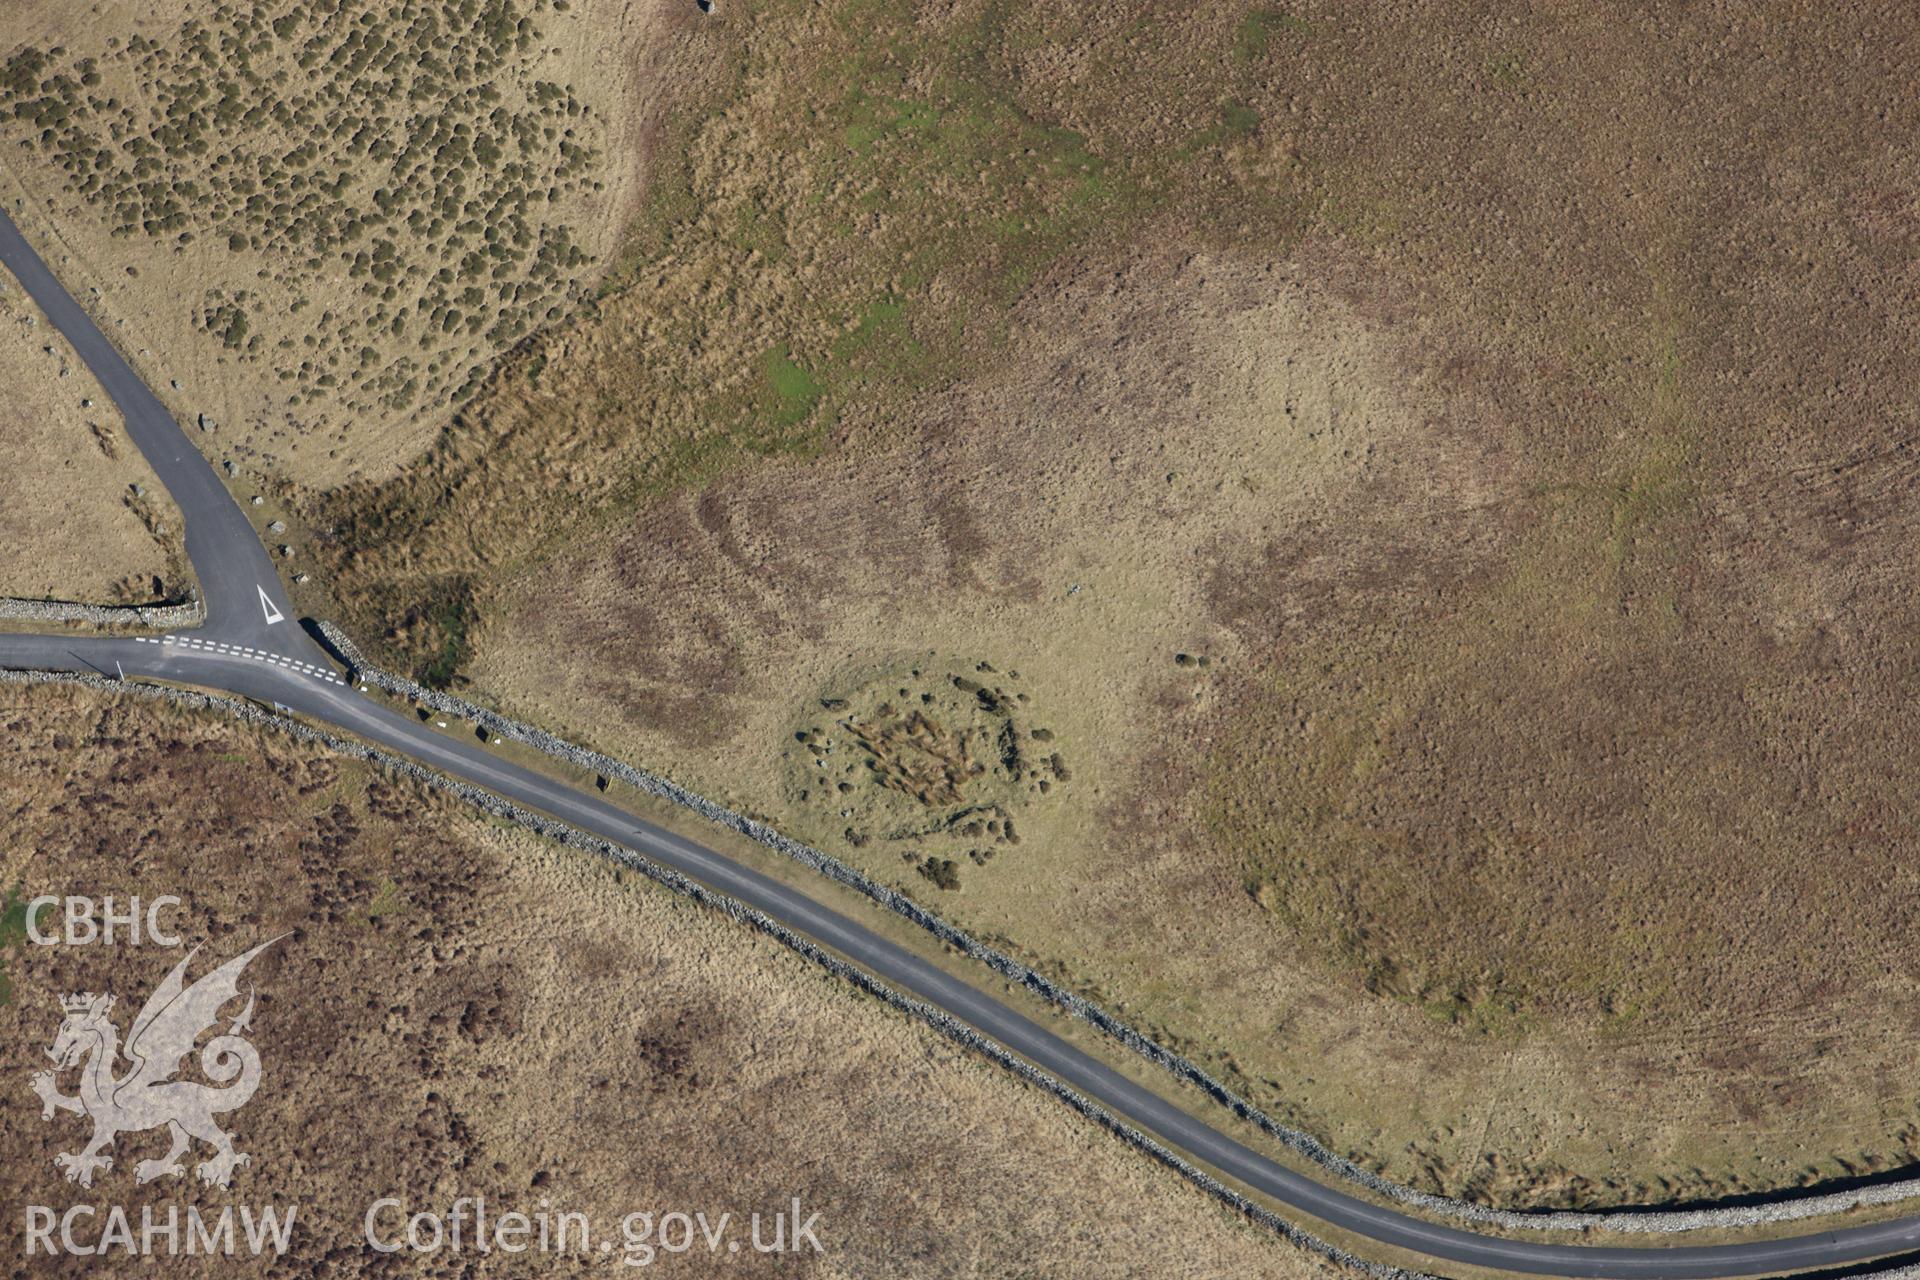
column 169, row 616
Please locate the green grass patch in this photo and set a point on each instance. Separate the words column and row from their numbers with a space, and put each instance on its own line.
column 873, row 118
column 13, row 932
column 880, row 349
column 451, row 616
column 1239, row 119
column 386, row 901
column 424, row 627
column 1507, row 71
column 795, row 388
column 1659, row 486
column 1257, row 32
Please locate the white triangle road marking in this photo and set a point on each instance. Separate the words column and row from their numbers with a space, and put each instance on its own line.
column 266, row 604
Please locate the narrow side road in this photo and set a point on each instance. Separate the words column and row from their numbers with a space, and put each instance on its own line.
column 238, row 583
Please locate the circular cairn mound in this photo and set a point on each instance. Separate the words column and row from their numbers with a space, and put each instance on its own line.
column 938, row 760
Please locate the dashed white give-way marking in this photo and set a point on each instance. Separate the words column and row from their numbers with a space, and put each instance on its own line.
column 194, row 644
column 266, row 604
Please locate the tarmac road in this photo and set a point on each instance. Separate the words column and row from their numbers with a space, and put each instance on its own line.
column 241, row 651
column 237, row 578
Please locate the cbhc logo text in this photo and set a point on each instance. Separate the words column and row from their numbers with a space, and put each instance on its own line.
column 86, row 922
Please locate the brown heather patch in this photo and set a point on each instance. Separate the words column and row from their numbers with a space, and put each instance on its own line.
column 1628, row 684
column 1612, row 771
column 463, row 1010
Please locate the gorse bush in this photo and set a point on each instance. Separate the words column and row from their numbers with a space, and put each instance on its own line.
column 404, row 147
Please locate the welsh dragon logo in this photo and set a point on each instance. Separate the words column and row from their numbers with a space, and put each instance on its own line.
column 146, row 1096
